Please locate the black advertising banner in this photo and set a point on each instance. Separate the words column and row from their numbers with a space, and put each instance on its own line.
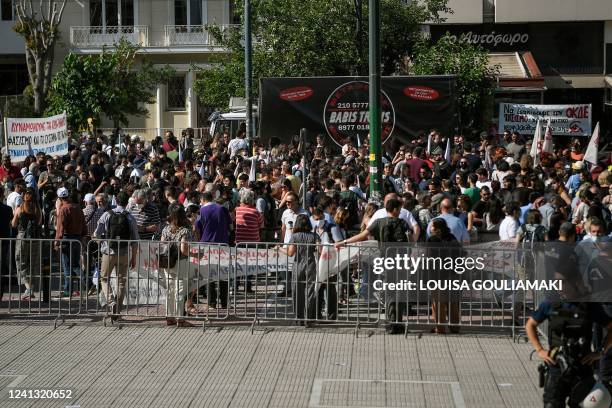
column 566, row 47
column 338, row 106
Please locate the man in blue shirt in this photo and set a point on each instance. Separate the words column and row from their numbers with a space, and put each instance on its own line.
column 456, row 226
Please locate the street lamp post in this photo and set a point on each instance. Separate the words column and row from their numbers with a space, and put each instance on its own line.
column 374, row 88
column 248, row 70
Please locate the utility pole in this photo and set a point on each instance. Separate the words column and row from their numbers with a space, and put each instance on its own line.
column 359, row 30
column 303, row 137
column 374, row 87
column 248, row 70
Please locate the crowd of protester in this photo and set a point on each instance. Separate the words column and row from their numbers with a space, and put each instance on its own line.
column 220, row 189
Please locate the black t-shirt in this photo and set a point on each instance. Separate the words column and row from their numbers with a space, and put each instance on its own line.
column 474, row 162
column 480, row 208
column 521, row 194
column 98, row 173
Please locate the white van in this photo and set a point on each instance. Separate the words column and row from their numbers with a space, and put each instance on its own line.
column 232, row 120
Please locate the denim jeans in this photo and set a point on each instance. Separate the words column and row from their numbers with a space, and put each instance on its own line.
column 71, row 262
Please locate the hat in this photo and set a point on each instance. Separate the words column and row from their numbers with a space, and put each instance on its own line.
column 62, row 192
column 89, row 198
column 437, row 199
column 134, row 138
column 578, row 165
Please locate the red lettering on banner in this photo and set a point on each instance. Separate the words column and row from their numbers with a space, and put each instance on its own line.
column 578, row 112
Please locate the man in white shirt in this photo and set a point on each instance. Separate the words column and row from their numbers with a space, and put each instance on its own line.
column 404, row 215
column 289, row 216
column 237, row 144
column 509, row 225
column 15, row 198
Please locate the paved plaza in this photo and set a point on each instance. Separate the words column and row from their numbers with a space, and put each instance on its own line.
column 153, row 366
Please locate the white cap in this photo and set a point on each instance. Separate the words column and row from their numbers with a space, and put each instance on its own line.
column 62, row 192
column 89, row 198
column 578, row 165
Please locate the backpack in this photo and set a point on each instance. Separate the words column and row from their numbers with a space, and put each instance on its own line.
column 393, row 230
column 537, row 234
column 350, row 201
column 118, row 229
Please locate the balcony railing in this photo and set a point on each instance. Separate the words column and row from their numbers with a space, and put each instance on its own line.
column 97, row 36
column 183, row 35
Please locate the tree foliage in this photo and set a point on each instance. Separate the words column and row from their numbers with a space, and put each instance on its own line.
column 39, row 28
column 469, row 62
column 110, row 84
column 312, row 38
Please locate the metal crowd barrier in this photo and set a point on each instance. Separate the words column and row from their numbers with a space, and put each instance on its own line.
column 316, row 284
column 447, row 308
column 195, row 287
column 40, row 276
column 259, row 282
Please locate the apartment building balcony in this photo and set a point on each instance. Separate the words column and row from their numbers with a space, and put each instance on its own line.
column 98, row 36
column 192, row 35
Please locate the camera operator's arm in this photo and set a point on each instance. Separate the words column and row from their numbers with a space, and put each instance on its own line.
column 532, row 334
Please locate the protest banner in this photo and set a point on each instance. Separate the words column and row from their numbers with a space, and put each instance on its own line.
column 147, row 284
column 572, row 120
column 28, row 136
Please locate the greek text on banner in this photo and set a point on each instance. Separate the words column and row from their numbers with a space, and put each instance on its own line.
column 572, row 120
column 27, row 136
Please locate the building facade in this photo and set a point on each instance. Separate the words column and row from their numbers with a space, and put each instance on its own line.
column 168, row 32
column 562, row 49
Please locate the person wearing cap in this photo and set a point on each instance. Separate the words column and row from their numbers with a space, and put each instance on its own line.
column 575, row 180
column 70, row 231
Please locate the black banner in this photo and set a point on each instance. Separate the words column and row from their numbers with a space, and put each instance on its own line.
column 339, row 108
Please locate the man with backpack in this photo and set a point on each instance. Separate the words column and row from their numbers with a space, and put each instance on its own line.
column 117, row 227
column 413, row 228
column 386, row 230
column 350, row 200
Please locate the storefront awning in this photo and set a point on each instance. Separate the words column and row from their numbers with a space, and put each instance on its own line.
column 517, row 71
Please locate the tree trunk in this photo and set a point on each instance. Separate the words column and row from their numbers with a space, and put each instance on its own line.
column 39, row 30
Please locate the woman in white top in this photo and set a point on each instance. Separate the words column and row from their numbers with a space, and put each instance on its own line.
column 509, row 225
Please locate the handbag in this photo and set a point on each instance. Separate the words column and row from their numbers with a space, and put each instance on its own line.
column 168, row 258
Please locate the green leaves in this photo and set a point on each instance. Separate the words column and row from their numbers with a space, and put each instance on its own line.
column 475, row 78
column 110, row 84
column 312, row 38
